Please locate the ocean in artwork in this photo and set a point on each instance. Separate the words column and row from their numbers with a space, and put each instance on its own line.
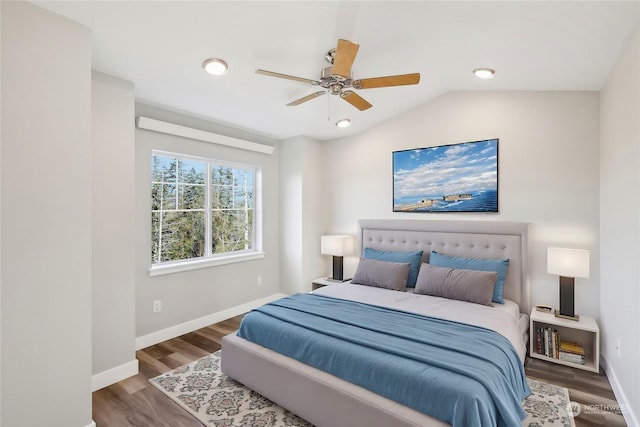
column 474, row 201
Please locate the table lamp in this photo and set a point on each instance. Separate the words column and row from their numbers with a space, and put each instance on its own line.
column 568, row 264
column 338, row 246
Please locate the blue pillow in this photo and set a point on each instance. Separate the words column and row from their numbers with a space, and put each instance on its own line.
column 413, row 258
column 500, row 266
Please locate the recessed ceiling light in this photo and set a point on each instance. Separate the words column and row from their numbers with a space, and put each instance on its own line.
column 215, row 66
column 484, row 73
column 344, row 123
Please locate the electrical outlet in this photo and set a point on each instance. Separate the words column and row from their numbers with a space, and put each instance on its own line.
column 157, row 306
column 618, row 347
column 259, row 280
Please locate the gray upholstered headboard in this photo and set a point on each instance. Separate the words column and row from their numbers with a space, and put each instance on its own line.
column 479, row 239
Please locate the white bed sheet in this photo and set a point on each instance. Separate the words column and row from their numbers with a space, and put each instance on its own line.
column 502, row 318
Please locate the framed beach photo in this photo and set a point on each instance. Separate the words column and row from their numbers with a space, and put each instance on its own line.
column 447, row 178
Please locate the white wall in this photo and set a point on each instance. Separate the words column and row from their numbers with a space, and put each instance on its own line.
column 1, row 364
column 620, row 227
column 548, row 163
column 190, row 295
column 315, row 214
column 291, row 152
column 113, row 171
column 46, row 219
column 303, row 213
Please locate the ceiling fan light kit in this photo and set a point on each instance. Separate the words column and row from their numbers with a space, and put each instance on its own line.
column 215, row 66
column 337, row 79
column 484, row 73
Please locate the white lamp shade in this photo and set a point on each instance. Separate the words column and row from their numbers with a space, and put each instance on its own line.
column 568, row 262
column 336, row 245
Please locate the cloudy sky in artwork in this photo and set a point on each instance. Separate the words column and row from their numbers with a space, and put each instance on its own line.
column 448, row 169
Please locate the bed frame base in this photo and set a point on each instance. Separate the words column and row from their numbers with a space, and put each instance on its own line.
column 318, row 397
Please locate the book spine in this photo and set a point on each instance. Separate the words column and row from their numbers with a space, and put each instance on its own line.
column 572, row 348
column 547, row 342
column 570, row 357
column 578, row 353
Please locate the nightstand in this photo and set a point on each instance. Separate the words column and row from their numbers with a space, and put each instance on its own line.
column 585, row 331
column 323, row 281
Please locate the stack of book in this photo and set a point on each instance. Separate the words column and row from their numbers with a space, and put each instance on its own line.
column 549, row 344
column 571, row 352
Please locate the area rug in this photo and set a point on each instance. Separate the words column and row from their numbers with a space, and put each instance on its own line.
column 217, row 400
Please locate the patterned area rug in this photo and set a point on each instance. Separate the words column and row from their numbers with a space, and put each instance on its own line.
column 217, row 400
column 548, row 405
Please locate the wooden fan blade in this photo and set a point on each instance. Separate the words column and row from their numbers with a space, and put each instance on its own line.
column 356, row 100
column 345, row 55
column 306, row 98
column 399, row 80
column 288, row 77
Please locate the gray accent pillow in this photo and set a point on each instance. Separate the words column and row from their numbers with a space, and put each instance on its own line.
column 464, row 285
column 381, row 274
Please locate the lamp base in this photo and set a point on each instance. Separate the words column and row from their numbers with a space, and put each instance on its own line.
column 331, row 279
column 337, row 269
column 567, row 310
column 564, row 316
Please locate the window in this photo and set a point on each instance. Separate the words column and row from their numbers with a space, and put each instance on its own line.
column 201, row 209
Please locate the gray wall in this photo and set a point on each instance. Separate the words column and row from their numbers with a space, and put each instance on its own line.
column 189, row 295
column 303, row 214
column 620, row 226
column 46, row 219
column 548, row 163
column 113, row 171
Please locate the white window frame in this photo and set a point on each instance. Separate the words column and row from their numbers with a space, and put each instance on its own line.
column 209, row 259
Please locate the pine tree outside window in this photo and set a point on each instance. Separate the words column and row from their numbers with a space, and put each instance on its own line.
column 201, row 209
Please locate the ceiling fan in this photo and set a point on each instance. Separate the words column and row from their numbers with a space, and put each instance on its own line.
column 337, row 79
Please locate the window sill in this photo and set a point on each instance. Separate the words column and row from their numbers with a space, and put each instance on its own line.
column 159, row 270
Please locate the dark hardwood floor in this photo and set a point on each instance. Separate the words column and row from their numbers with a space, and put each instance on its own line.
column 135, row 402
column 592, row 391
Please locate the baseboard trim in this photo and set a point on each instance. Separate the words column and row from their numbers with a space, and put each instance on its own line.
column 113, row 375
column 629, row 416
column 92, row 424
column 192, row 325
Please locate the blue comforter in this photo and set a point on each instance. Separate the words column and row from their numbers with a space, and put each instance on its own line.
column 460, row 374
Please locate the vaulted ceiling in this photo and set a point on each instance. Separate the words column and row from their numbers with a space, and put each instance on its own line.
column 160, row 47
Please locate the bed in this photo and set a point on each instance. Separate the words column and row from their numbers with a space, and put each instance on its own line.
column 327, row 400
